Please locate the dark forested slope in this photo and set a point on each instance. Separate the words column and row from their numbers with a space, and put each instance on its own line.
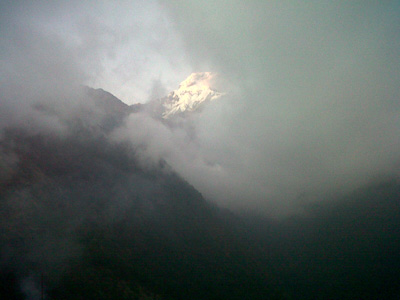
column 83, row 213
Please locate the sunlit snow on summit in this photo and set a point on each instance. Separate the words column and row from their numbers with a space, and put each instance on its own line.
column 195, row 90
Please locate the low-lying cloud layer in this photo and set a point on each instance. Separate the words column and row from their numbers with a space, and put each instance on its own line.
column 317, row 108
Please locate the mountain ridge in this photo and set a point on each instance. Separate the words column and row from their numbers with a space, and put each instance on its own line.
column 192, row 93
column 80, row 207
column 191, row 96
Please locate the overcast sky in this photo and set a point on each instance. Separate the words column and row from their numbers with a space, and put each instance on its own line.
column 318, row 110
column 315, row 108
column 122, row 47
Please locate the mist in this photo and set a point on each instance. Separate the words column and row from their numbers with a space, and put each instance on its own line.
column 303, row 148
column 315, row 110
column 311, row 110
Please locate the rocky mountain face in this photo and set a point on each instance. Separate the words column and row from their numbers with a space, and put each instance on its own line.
column 192, row 94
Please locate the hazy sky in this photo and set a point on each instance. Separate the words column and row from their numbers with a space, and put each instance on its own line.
column 122, row 47
column 316, row 106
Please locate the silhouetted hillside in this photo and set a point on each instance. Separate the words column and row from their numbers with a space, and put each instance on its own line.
column 99, row 225
column 84, row 216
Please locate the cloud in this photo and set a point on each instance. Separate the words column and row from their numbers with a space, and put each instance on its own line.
column 120, row 47
column 316, row 112
column 312, row 104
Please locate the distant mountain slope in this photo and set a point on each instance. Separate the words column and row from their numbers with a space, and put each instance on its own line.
column 193, row 93
column 89, row 217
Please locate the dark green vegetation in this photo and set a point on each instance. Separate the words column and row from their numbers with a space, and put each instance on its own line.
column 85, row 216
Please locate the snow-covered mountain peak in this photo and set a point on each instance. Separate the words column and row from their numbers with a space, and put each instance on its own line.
column 192, row 92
